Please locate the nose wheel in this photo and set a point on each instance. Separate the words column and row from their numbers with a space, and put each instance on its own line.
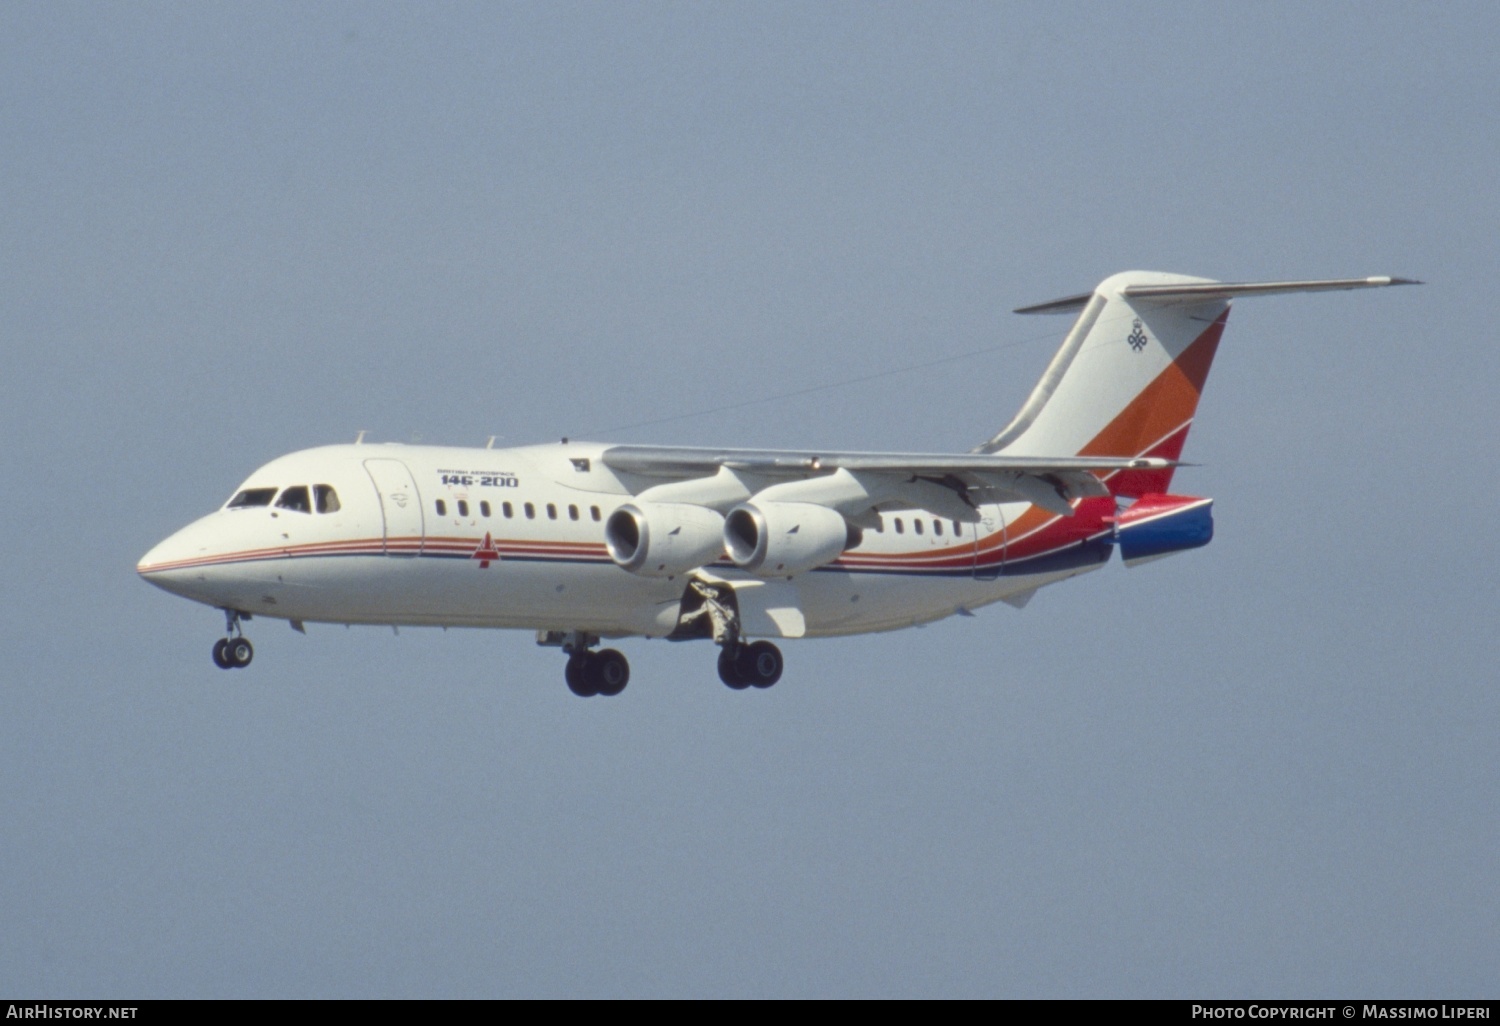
column 235, row 651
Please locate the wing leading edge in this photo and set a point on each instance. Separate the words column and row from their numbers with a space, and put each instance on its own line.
column 682, row 461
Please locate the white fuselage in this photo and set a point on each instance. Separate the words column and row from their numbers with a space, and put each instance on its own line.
column 514, row 538
column 583, row 541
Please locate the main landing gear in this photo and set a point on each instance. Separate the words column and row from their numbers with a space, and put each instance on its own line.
column 235, row 651
column 756, row 665
column 741, row 664
column 597, row 673
column 606, row 672
column 588, row 673
column 710, row 609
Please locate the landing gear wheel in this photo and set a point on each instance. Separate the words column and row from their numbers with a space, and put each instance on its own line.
column 729, row 671
column 759, row 665
column 609, row 671
column 221, row 660
column 238, row 652
column 580, row 680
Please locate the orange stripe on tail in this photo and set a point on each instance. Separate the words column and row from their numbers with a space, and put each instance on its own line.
column 1156, row 422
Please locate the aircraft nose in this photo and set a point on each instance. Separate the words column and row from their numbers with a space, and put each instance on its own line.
column 180, row 564
column 171, row 553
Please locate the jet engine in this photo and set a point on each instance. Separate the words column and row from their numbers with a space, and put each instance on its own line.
column 779, row 539
column 664, row 539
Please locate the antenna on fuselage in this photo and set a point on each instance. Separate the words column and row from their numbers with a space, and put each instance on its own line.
column 359, row 439
column 491, row 443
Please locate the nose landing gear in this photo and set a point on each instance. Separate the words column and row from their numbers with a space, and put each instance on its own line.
column 235, row 651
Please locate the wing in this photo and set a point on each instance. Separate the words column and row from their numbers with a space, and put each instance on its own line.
column 855, row 483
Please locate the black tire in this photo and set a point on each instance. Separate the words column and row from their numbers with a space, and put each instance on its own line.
column 221, row 660
column 610, row 672
column 578, row 675
column 759, row 664
column 238, row 652
column 729, row 671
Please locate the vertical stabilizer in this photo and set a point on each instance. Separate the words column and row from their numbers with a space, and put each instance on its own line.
column 1126, row 381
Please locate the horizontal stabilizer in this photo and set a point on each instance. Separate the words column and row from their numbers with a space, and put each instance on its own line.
column 1204, row 292
column 1067, row 304
column 1158, row 525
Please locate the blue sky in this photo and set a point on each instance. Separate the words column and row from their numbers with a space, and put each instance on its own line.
column 1262, row 768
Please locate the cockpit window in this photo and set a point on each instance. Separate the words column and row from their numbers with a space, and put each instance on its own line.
column 295, row 498
column 327, row 498
column 252, row 497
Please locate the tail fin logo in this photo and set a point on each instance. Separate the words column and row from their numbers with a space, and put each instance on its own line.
column 1137, row 338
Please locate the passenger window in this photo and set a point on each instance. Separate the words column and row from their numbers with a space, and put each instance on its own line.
column 594, row 512
column 442, row 508
column 484, row 507
column 937, row 528
column 900, row 528
column 295, row 498
column 326, row 498
column 253, row 497
column 551, row 511
column 463, row 507
column 572, row 512
column 507, row 510
column 916, row 525
column 958, row 531
column 530, row 511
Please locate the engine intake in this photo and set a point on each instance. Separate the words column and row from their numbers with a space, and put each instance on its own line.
column 780, row 539
column 663, row 539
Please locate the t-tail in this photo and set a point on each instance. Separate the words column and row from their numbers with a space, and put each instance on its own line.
column 1126, row 383
column 1127, row 379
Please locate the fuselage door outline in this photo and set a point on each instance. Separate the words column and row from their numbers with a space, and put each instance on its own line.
column 400, row 506
column 991, row 518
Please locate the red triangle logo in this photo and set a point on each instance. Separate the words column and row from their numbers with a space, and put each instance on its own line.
column 486, row 553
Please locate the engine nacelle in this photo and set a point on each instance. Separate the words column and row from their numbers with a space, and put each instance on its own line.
column 664, row 539
column 780, row 539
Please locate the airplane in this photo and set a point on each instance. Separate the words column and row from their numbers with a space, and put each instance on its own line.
column 586, row 541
